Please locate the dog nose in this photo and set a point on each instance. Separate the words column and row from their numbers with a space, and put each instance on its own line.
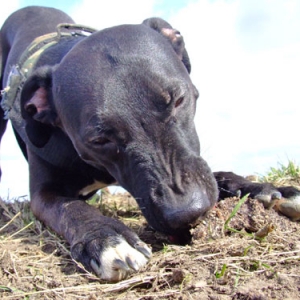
column 181, row 217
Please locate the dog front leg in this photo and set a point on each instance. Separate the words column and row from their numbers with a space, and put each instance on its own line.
column 103, row 245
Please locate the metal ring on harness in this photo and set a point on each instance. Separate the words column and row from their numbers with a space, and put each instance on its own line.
column 73, row 26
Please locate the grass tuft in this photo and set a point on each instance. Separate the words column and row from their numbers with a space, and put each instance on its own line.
column 283, row 174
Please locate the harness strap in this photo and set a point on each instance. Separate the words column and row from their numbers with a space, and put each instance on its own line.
column 22, row 70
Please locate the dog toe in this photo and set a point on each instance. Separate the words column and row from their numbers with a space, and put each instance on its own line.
column 119, row 260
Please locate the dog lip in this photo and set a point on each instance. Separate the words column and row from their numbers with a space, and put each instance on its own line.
column 181, row 238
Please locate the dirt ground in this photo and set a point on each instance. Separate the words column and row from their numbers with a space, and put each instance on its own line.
column 252, row 255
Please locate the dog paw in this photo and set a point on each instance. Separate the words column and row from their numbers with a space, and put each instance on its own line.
column 268, row 199
column 289, row 205
column 113, row 258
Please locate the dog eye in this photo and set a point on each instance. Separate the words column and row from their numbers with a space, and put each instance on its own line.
column 179, row 101
column 99, row 141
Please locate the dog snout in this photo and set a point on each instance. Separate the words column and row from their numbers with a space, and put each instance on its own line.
column 183, row 216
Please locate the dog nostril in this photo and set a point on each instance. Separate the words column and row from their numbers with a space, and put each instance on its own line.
column 184, row 216
column 158, row 192
column 183, row 219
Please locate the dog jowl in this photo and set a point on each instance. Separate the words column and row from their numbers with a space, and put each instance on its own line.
column 90, row 110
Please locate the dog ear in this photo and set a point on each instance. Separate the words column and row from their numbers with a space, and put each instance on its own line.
column 173, row 36
column 37, row 107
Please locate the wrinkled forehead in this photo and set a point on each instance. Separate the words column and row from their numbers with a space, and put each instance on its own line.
column 124, row 63
column 128, row 48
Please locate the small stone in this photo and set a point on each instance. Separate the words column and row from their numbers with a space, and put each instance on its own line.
column 178, row 275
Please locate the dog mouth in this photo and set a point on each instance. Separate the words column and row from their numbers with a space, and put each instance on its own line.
column 181, row 238
column 184, row 236
column 176, row 235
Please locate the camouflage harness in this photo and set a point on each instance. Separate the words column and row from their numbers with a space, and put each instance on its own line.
column 21, row 71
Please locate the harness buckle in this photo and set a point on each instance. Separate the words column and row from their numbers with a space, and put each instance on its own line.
column 84, row 30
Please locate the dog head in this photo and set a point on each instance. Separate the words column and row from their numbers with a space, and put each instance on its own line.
column 125, row 99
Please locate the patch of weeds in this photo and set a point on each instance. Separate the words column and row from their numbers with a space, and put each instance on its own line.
column 11, row 290
column 267, row 266
column 246, row 250
column 95, row 199
column 222, row 272
column 283, row 174
column 258, row 265
column 166, row 248
column 5, row 289
column 27, row 215
column 237, row 278
column 254, row 266
column 187, row 278
column 233, row 213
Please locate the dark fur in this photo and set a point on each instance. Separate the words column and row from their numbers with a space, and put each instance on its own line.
column 231, row 185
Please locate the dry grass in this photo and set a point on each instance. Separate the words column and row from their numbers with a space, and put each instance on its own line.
column 223, row 262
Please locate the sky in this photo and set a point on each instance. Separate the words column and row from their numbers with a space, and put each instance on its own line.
column 245, row 57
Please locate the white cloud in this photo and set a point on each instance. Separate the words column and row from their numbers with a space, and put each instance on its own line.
column 7, row 9
column 266, row 24
column 113, row 12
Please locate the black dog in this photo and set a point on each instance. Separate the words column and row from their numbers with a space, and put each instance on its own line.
column 114, row 106
column 90, row 110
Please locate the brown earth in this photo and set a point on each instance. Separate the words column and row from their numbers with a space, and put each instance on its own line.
column 253, row 255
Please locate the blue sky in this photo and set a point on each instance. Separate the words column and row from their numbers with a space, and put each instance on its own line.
column 245, row 58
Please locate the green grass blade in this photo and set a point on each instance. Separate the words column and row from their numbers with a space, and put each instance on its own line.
column 223, row 270
column 235, row 210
